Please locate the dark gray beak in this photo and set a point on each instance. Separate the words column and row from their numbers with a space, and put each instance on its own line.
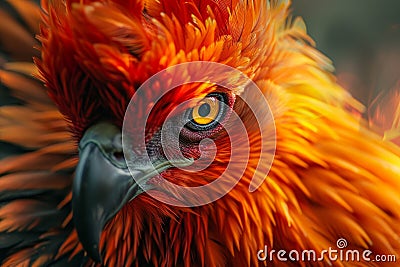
column 102, row 185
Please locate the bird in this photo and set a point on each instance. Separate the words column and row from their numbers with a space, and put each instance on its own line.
column 66, row 189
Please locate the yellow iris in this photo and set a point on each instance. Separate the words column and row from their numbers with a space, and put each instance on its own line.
column 206, row 111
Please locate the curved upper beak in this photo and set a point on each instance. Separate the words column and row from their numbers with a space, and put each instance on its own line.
column 102, row 185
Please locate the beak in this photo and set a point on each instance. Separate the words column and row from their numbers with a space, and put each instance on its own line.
column 102, row 184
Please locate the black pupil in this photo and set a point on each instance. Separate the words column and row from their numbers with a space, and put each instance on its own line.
column 204, row 110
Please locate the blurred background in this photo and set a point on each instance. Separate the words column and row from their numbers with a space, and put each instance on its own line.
column 362, row 37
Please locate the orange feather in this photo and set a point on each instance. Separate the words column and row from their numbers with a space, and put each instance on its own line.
column 331, row 178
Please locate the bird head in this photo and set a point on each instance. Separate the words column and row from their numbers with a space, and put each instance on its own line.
column 142, row 139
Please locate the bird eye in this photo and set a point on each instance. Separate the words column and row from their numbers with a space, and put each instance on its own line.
column 207, row 112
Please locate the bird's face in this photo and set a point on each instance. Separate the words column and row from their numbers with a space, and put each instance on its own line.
column 186, row 146
column 135, row 138
column 192, row 135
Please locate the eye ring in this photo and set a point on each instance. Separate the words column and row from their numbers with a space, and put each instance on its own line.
column 207, row 114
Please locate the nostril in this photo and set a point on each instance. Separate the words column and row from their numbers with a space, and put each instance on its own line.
column 118, row 155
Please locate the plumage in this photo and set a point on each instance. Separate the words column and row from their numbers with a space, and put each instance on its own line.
column 331, row 178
